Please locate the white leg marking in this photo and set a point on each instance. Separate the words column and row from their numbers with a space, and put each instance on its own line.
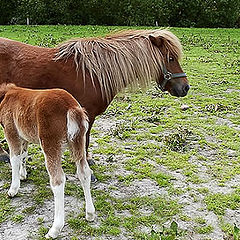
column 23, row 171
column 15, row 163
column 58, row 192
column 85, row 178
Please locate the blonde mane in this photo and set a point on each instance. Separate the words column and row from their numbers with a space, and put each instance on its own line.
column 120, row 59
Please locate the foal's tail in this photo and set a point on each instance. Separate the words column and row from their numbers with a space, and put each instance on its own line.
column 77, row 126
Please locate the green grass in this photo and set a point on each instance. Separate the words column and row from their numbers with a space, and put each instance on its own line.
column 219, row 202
column 181, row 153
column 5, row 206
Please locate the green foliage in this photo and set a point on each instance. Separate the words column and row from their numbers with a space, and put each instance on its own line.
column 236, row 233
column 17, row 218
column 171, row 233
column 204, row 229
column 7, row 10
column 200, row 13
column 177, row 141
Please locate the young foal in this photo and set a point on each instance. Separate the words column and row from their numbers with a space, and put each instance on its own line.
column 54, row 119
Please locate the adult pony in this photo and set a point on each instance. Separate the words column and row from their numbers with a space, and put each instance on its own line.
column 94, row 70
column 54, row 119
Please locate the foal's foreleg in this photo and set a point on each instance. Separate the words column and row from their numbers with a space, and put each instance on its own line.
column 14, row 144
column 23, row 171
column 15, row 161
column 84, row 174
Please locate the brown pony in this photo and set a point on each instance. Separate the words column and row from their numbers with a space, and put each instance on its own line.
column 54, row 119
column 94, row 70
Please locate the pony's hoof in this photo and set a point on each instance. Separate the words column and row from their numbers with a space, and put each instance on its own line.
column 52, row 233
column 90, row 162
column 93, row 179
column 90, row 217
column 4, row 158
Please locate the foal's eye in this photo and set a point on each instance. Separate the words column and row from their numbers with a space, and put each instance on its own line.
column 171, row 59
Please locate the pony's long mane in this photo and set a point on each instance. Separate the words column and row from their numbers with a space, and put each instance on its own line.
column 126, row 57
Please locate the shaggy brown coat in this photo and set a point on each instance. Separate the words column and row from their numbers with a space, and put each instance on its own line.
column 54, row 119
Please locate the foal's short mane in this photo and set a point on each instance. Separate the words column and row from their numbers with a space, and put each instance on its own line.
column 120, row 59
column 4, row 87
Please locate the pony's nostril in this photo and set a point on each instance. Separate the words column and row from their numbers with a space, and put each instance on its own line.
column 186, row 88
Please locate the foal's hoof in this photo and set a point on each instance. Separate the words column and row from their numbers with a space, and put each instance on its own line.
column 23, row 177
column 93, row 179
column 23, row 173
column 52, row 233
column 12, row 192
column 4, row 158
column 90, row 217
column 90, row 162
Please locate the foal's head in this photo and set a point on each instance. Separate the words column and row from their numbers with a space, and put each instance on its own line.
column 172, row 77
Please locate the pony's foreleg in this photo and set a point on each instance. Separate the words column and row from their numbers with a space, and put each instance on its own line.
column 89, row 157
column 57, row 182
column 84, row 174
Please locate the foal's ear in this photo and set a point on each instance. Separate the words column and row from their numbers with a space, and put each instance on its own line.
column 157, row 41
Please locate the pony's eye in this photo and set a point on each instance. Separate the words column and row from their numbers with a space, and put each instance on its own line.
column 171, row 59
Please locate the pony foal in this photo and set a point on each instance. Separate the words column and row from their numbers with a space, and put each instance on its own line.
column 54, row 119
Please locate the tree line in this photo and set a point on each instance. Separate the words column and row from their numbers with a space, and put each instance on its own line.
column 178, row 13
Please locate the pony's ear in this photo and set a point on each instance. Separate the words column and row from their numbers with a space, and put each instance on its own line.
column 157, row 41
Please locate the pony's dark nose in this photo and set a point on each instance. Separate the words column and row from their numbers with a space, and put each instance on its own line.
column 186, row 88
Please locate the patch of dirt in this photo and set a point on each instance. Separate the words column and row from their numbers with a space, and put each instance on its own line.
column 227, row 122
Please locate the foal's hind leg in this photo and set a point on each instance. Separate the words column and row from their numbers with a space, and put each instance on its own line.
column 57, row 182
column 23, row 171
column 84, row 174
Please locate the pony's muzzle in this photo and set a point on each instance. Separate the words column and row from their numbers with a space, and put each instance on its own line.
column 186, row 88
column 183, row 92
column 180, row 90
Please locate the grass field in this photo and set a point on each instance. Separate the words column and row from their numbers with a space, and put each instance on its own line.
column 163, row 173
